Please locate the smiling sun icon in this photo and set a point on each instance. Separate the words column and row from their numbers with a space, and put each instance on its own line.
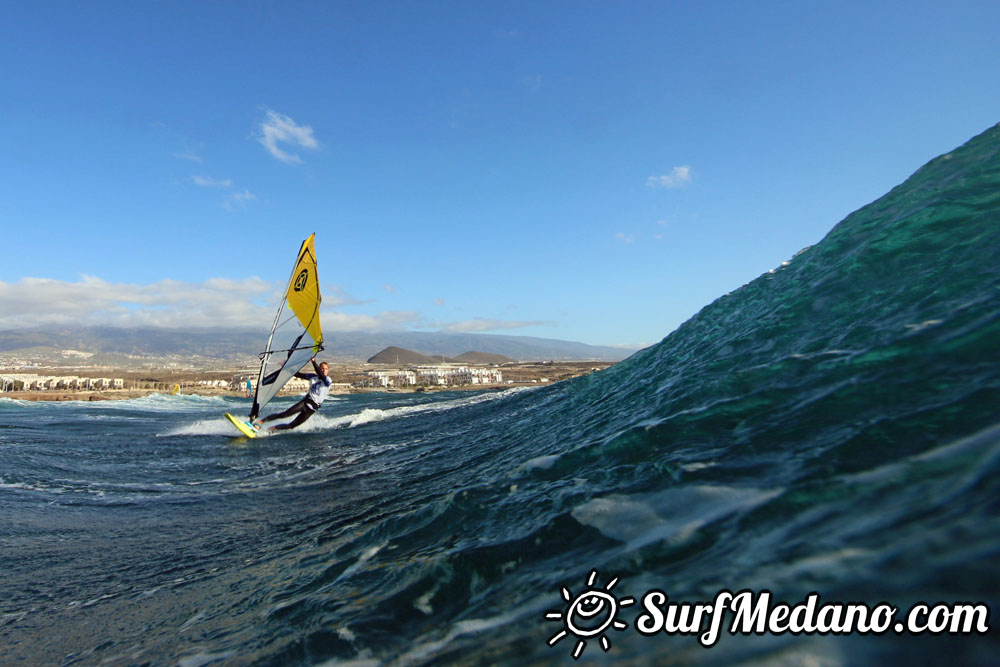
column 589, row 614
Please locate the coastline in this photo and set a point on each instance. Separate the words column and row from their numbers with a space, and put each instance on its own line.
column 143, row 383
column 90, row 395
column 126, row 394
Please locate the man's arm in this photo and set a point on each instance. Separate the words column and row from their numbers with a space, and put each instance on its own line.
column 309, row 376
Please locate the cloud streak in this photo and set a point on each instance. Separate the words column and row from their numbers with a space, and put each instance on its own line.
column 39, row 302
column 217, row 303
column 278, row 129
column 206, row 182
column 677, row 178
column 237, row 200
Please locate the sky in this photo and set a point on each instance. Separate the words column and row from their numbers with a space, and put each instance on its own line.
column 586, row 171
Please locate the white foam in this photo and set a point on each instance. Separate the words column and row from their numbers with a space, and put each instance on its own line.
column 214, row 426
column 365, row 556
column 201, row 659
column 4, row 401
column 6, row 619
column 540, row 462
column 694, row 467
column 371, row 415
column 159, row 402
column 673, row 515
column 422, row 651
column 22, row 486
column 318, row 422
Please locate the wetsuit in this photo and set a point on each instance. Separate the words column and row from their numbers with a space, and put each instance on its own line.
column 319, row 387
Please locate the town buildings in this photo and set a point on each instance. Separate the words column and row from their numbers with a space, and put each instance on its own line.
column 442, row 375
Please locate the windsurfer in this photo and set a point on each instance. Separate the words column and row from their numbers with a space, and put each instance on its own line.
column 319, row 387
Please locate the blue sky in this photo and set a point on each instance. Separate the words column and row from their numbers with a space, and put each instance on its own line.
column 587, row 171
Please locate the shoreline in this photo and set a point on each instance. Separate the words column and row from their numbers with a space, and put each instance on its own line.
column 91, row 395
column 87, row 395
column 140, row 383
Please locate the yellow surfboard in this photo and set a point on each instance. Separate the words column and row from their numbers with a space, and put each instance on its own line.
column 241, row 425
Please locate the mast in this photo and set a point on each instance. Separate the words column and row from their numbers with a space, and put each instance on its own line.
column 265, row 356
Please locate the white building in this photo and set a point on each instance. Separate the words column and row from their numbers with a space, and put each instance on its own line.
column 297, row 384
column 31, row 382
column 393, row 378
column 221, row 384
column 446, row 375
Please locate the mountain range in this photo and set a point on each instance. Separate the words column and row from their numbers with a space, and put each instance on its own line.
column 220, row 345
column 397, row 356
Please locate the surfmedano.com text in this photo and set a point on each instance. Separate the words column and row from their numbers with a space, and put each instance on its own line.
column 751, row 613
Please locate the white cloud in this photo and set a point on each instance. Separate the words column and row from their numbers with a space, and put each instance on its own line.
column 205, row 182
column 625, row 238
column 222, row 303
column 278, row 128
column 389, row 288
column 217, row 302
column 677, row 178
column 532, row 83
column 336, row 296
column 188, row 156
column 238, row 199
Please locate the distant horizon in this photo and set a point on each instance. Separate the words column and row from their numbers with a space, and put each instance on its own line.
column 252, row 330
column 218, row 343
column 581, row 172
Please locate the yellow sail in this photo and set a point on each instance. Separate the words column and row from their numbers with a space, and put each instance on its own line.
column 303, row 292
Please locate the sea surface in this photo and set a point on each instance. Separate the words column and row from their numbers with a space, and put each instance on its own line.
column 831, row 427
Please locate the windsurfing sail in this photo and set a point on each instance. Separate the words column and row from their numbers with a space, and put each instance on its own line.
column 296, row 335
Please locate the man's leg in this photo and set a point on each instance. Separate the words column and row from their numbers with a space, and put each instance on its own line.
column 304, row 415
column 298, row 407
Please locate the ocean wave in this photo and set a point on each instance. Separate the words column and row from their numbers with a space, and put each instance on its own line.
column 370, row 415
column 14, row 402
column 167, row 402
column 795, row 435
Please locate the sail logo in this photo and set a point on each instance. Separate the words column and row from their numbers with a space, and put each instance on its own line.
column 589, row 614
column 301, row 280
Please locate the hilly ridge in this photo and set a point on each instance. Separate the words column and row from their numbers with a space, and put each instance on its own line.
column 394, row 355
column 114, row 343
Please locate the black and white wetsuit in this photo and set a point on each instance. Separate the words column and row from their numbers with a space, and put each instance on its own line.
column 319, row 387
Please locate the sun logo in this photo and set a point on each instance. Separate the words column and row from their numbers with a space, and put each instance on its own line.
column 589, row 614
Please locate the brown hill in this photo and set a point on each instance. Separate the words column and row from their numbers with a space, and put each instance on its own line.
column 398, row 356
